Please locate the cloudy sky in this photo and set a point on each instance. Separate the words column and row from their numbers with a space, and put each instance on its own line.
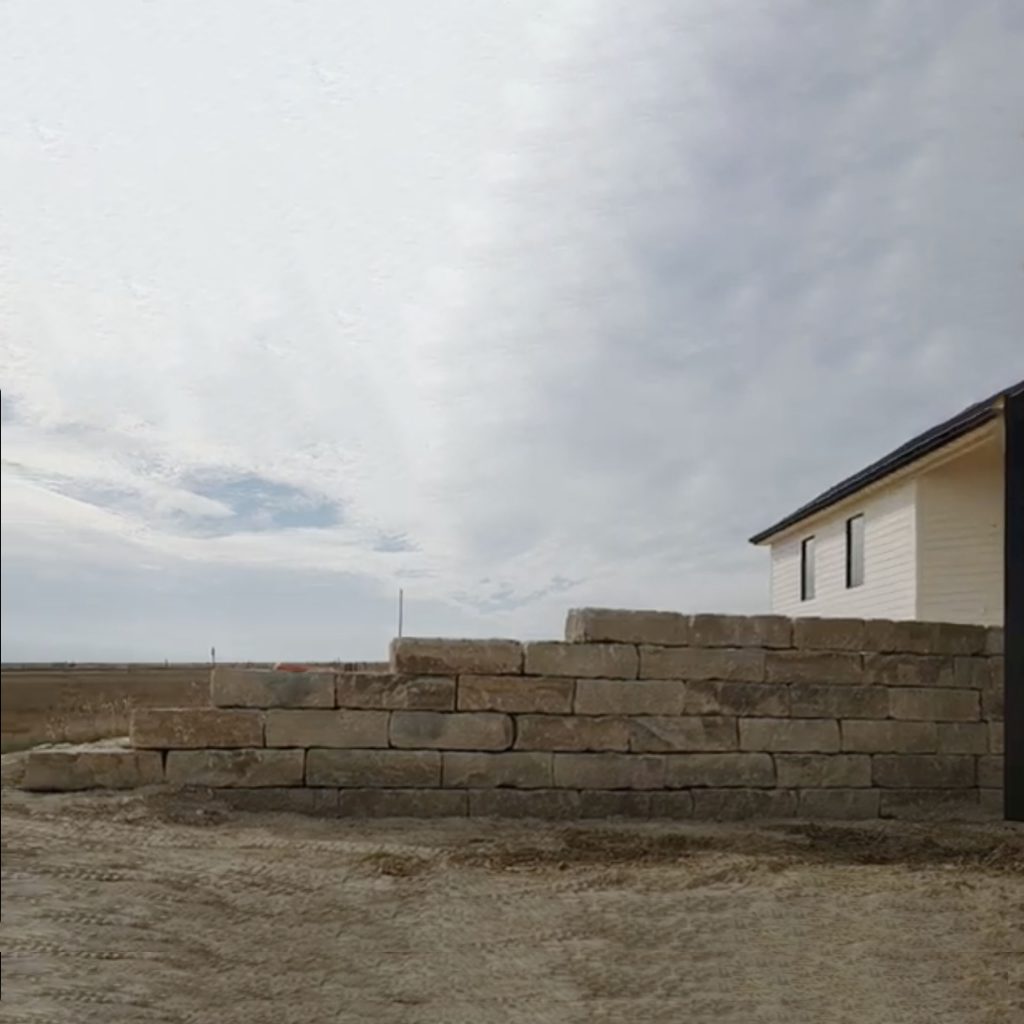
column 518, row 306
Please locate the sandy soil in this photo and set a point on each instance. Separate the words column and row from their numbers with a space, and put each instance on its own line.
column 143, row 907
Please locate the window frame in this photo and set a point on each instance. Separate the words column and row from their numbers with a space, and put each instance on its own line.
column 851, row 584
column 807, row 579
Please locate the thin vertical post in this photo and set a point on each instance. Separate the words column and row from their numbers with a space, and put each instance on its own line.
column 1013, row 608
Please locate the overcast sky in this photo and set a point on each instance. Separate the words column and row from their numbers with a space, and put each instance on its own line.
column 519, row 306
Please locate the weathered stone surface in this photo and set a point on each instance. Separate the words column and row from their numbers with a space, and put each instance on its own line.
column 748, row 699
column 373, row 769
column 195, row 728
column 975, row 673
column 518, row 769
column 264, row 688
column 609, row 771
column 721, row 663
column 277, row 799
column 993, row 693
column 612, row 625
column 924, row 637
column 996, row 744
column 529, row 694
column 90, row 767
column 963, row 738
column 991, row 806
column 869, row 737
column 778, row 734
column 231, row 768
column 681, row 733
column 394, row 692
column 469, row 730
column 629, row 697
column 614, row 803
column 683, row 771
column 908, row 670
column 822, row 667
column 925, row 704
column 923, row 771
column 810, row 700
column 823, row 771
column 430, row 656
column 549, row 804
column 994, row 640
column 676, row 804
column 829, row 634
column 571, row 732
column 402, row 803
column 740, row 631
column 990, row 771
column 930, row 804
column 591, row 661
column 345, row 728
column 738, row 804
column 843, row 804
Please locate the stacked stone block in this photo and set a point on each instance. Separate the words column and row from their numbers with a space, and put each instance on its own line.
column 636, row 713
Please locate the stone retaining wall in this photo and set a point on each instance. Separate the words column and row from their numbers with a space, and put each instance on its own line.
column 636, row 713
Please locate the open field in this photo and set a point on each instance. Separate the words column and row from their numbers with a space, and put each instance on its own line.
column 150, row 907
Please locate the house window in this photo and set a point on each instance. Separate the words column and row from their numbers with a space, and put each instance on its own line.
column 807, row 569
column 855, row 551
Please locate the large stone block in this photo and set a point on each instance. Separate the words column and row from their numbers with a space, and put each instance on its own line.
column 867, row 737
column 924, row 637
column 470, row 730
column 195, row 728
column 547, row 804
column 721, row 663
column 372, row 769
column 748, row 699
column 822, row 667
column 810, row 700
column 609, row 771
column 394, row 692
column 230, row 768
column 309, row 728
column 908, row 670
column 739, row 804
column 571, row 733
column 439, row 657
column 264, row 688
column 843, row 804
column 612, row 625
column 629, row 697
column 930, row 805
column 683, row 771
column 402, row 803
column 823, row 771
column 740, row 631
column 963, row 737
column 990, row 771
column 994, row 643
column 681, row 733
column 993, row 693
column 996, row 743
column 672, row 804
column 798, row 735
column 591, row 661
column 829, row 634
column 923, row 771
column 282, row 800
column 518, row 769
column 925, row 704
column 520, row 694
column 90, row 767
column 614, row 803
column 973, row 673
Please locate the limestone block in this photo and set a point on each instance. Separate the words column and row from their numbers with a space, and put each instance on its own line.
column 721, row 663
column 908, row 670
column 282, row 800
column 925, row 637
column 674, row 804
column 395, row 692
column 90, row 767
column 822, row 667
column 591, row 661
column 440, row 657
column 797, row 735
column 991, row 806
column 629, row 697
column 990, row 771
column 372, row 769
column 402, row 803
column 748, row 699
column 993, row 693
column 470, row 730
column 529, row 694
column 656, row 733
column 829, row 634
column 229, row 768
column 994, row 643
column 926, row 704
column 310, row 728
column 571, row 732
column 868, row 737
column 518, row 769
column 931, row 804
column 844, row 804
column 996, row 743
column 823, row 771
column 195, row 728
column 611, row 625
column 740, row 631
column 609, row 771
column 683, row 771
column 549, row 804
column 614, row 803
column 810, row 700
column 738, row 804
column 923, row 771
column 264, row 688
column 963, row 737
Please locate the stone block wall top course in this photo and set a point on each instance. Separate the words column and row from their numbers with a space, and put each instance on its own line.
column 430, row 656
column 254, row 688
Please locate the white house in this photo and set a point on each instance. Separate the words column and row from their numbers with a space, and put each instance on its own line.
column 916, row 535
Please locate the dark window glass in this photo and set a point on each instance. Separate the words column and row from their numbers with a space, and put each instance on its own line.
column 807, row 569
column 855, row 551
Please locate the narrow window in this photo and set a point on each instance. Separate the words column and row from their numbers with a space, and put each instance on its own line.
column 855, row 551
column 807, row 569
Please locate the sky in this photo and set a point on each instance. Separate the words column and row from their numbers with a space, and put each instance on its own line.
column 518, row 306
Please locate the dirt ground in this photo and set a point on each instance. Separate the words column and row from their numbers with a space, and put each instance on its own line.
column 144, row 907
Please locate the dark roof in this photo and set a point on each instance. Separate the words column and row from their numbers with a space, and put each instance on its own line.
column 971, row 418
